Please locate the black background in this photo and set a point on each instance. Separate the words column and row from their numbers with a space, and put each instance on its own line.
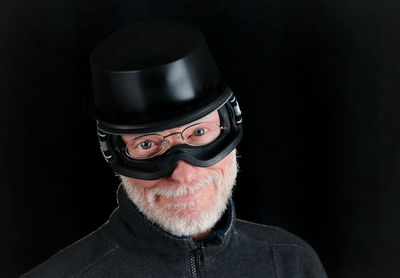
column 318, row 85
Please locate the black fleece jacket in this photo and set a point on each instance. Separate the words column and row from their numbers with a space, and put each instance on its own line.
column 129, row 245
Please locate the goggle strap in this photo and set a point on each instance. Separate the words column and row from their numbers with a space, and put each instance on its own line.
column 236, row 109
column 104, row 145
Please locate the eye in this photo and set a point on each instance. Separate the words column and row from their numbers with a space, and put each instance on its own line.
column 145, row 145
column 201, row 134
column 199, row 131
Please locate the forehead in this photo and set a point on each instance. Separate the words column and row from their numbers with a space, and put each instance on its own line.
column 212, row 117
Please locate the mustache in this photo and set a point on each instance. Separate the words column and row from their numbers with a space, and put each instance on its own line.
column 181, row 190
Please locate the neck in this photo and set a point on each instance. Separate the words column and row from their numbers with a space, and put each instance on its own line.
column 200, row 236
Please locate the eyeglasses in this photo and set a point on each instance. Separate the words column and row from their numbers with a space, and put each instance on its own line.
column 150, row 145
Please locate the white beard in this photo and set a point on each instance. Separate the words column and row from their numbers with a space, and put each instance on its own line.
column 179, row 219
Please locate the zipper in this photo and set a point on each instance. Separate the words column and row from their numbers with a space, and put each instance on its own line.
column 197, row 260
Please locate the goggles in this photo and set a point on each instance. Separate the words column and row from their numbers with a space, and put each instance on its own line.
column 152, row 156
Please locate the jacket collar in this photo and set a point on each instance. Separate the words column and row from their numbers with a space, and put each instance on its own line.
column 134, row 230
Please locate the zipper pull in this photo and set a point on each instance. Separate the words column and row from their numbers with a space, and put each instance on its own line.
column 200, row 255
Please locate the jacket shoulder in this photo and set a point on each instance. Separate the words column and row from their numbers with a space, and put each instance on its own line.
column 291, row 256
column 76, row 258
column 270, row 235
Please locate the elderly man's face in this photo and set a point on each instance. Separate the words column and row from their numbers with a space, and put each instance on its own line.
column 190, row 200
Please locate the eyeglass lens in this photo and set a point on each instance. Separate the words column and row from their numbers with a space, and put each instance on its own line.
column 150, row 145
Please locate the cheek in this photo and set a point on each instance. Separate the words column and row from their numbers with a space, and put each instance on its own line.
column 224, row 164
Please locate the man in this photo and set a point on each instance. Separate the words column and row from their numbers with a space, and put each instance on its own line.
column 168, row 125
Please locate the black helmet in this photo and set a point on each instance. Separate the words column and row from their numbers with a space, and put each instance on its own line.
column 155, row 76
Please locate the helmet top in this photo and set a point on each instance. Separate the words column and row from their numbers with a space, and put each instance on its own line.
column 154, row 76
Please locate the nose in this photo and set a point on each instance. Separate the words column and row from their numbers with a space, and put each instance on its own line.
column 184, row 172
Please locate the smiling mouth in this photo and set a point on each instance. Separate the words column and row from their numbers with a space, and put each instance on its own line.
column 182, row 191
column 186, row 198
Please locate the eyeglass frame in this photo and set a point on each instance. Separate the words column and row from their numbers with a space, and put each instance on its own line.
column 223, row 125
